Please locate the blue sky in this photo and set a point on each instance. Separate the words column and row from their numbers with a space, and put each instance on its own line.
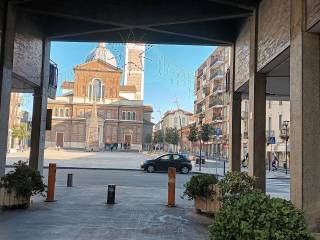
column 169, row 70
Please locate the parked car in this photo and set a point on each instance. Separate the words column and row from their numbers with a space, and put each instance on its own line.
column 163, row 162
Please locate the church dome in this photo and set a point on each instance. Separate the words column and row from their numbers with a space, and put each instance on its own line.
column 103, row 54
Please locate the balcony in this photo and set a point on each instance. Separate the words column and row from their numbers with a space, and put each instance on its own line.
column 245, row 135
column 244, row 115
column 218, row 89
column 217, row 118
column 217, row 75
column 216, row 62
column 53, row 80
column 216, row 103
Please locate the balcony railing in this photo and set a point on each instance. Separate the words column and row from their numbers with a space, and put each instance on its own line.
column 216, row 62
column 216, row 75
column 245, row 135
column 216, row 103
column 244, row 115
column 53, row 80
column 217, row 118
column 218, row 89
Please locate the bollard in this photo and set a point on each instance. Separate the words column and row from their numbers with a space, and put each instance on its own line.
column 70, row 180
column 51, row 182
column 171, row 187
column 111, row 194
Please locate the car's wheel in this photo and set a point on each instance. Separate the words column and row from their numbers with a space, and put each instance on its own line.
column 184, row 170
column 150, row 169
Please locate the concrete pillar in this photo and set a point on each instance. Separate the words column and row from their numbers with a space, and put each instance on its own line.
column 257, row 112
column 39, row 112
column 235, row 120
column 6, row 64
column 305, row 116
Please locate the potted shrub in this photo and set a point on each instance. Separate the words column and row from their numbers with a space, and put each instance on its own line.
column 235, row 185
column 257, row 216
column 203, row 190
column 17, row 186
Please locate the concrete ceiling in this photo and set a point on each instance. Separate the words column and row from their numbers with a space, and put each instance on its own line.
column 278, row 78
column 199, row 22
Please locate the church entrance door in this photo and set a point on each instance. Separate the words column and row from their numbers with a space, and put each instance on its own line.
column 127, row 141
column 59, row 141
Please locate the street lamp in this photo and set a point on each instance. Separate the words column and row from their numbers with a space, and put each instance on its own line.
column 286, row 124
column 200, row 123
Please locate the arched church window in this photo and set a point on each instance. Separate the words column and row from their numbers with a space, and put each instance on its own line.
column 128, row 115
column 95, row 90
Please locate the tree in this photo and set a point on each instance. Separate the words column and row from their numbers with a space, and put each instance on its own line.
column 20, row 132
column 148, row 140
column 193, row 134
column 158, row 137
column 206, row 132
column 172, row 136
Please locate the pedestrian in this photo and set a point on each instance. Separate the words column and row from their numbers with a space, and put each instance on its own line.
column 274, row 162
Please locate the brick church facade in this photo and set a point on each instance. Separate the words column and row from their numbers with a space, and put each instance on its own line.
column 95, row 109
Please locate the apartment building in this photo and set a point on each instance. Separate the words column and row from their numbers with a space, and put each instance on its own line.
column 277, row 114
column 212, row 100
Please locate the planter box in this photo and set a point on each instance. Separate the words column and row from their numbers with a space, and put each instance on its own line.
column 207, row 205
column 9, row 200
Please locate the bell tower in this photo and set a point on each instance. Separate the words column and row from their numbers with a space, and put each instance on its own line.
column 134, row 68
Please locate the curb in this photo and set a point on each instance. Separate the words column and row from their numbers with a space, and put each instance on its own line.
column 85, row 168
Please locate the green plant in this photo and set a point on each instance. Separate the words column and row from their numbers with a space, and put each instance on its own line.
column 25, row 180
column 235, row 185
column 200, row 186
column 158, row 137
column 257, row 216
column 172, row 136
column 20, row 131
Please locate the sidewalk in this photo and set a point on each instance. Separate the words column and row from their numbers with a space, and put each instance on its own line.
column 80, row 212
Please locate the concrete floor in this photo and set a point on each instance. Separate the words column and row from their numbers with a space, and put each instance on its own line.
column 81, row 213
column 76, row 158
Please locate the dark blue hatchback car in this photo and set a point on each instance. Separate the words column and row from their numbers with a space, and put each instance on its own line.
column 162, row 163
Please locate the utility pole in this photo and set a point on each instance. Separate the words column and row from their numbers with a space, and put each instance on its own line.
column 181, row 142
column 200, row 138
column 162, row 130
column 285, row 124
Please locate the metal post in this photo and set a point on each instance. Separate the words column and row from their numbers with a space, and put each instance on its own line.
column 171, row 187
column 111, row 194
column 286, row 149
column 70, row 180
column 51, row 182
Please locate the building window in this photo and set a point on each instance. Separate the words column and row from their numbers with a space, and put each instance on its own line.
column 56, row 112
column 109, row 114
column 123, row 115
column 66, row 112
column 81, row 112
column 133, row 116
column 183, row 121
column 175, row 120
column 61, row 112
column 96, row 90
column 269, row 124
column 128, row 115
column 280, row 121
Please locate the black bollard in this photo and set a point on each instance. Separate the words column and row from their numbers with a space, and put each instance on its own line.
column 111, row 194
column 70, row 180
